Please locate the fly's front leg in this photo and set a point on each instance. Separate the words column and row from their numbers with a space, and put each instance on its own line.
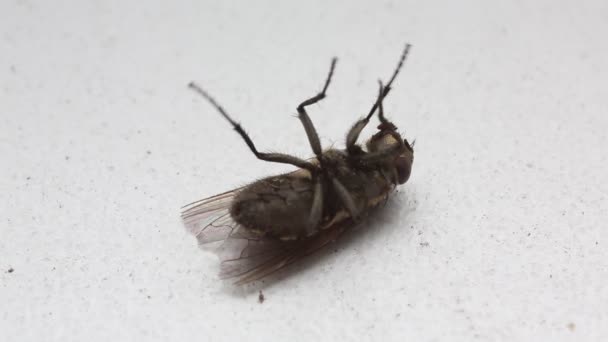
column 313, row 137
column 270, row 157
column 380, row 98
column 355, row 131
column 380, row 156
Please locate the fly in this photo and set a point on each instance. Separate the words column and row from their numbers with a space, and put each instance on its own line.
column 275, row 221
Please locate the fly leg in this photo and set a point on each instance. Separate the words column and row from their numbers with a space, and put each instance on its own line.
column 347, row 199
column 353, row 133
column 313, row 137
column 316, row 211
column 380, row 156
column 270, row 157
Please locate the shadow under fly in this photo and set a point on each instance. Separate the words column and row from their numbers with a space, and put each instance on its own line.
column 271, row 223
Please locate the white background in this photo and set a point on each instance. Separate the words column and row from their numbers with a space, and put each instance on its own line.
column 500, row 234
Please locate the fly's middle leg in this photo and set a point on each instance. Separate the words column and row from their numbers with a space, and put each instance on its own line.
column 313, row 137
column 316, row 210
column 346, row 198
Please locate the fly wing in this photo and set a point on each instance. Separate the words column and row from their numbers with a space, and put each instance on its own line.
column 245, row 254
column 240, row 250
column 285, row 254
column 209, row 219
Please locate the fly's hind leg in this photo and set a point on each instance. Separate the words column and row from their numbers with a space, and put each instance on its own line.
column 313, row 137
column 270, row 157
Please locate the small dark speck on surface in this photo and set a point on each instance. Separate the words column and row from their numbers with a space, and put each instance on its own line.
column 10, row 270
column 28, row 178
column 571, row 326
column 261, row 297
column 148, row 152
column 67, row 157
column 424, row 244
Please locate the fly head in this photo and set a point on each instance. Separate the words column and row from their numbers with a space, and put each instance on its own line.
column 397, row 152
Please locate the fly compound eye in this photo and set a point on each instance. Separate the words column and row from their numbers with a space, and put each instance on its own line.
column 404, row 168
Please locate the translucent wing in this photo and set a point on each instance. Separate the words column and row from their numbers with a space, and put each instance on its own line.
column 209, row 219
column 245, row 254
column 240, row 250
column 252, row 267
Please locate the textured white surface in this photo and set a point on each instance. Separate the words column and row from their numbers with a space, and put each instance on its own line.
column 500, row 234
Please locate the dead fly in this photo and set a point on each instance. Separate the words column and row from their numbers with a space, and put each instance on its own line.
column 275, row 221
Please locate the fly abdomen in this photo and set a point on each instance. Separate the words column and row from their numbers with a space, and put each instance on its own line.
column 277, row 206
